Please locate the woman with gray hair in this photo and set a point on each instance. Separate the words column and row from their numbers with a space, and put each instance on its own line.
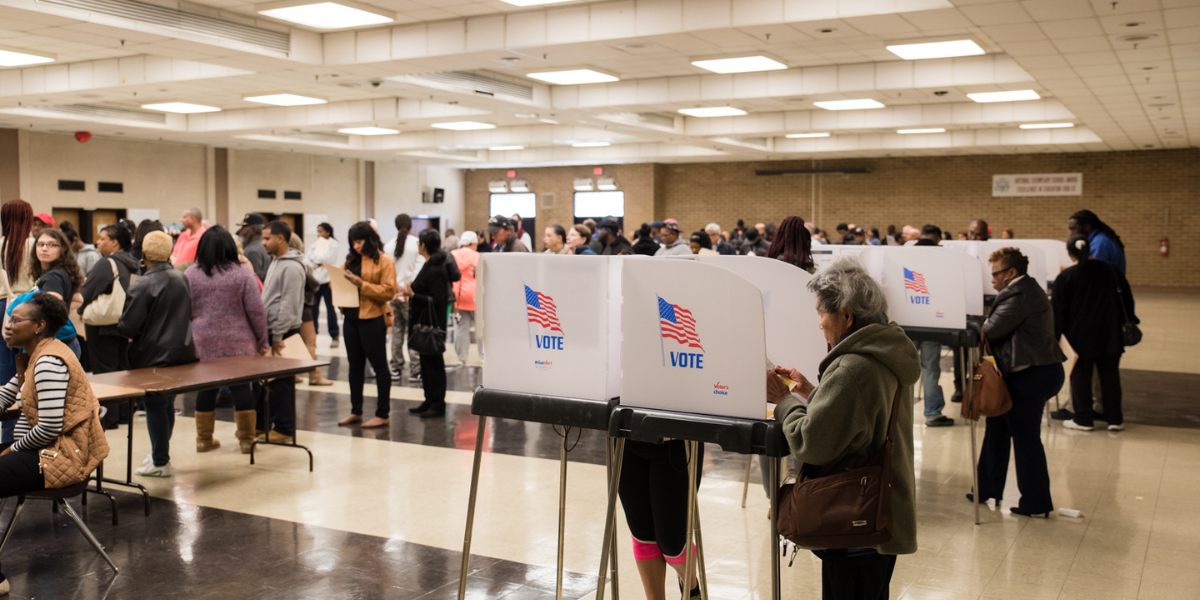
column 843, row 423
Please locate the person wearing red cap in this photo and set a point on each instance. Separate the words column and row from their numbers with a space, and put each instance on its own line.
column 42, row 221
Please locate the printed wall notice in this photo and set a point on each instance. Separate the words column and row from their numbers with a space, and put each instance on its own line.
column 1038, row 184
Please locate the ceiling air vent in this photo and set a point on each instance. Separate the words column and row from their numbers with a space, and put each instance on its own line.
column 476, row 83
column 173, row 18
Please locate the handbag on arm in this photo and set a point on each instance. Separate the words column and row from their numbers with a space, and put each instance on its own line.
column 989, row 393
column 852, row 509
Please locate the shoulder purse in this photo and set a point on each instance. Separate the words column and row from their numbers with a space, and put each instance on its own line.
column 426, row 339
column 1131, row 334
column 106, row 308
column 989, row 393
column 852, row 509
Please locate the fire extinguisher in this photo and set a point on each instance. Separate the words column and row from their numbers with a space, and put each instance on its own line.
column 1162, row 247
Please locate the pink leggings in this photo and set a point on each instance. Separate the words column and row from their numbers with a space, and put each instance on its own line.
column 649, row 551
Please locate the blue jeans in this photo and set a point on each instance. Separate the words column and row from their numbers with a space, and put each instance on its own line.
column 931, row 372
column 160, row 423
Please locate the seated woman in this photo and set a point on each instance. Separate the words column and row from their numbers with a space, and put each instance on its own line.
column 58, row 410
column 843, row 423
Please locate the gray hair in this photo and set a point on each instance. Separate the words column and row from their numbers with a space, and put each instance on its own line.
column 712, row 228
column 845, row 285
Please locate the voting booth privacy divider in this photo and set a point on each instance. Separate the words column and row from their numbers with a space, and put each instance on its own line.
column 549, row 324
column 1038, row 265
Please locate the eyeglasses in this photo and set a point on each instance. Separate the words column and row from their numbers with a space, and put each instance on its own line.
column 997, row 273
column 15, row 320
column 48, row 245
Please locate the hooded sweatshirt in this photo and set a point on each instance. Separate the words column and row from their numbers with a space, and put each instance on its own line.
column 845, row 422
column 283, row 294
column 680, row 247
column 99, row 281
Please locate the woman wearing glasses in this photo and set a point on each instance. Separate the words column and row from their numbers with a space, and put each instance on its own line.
column 1020, row 330
column 54, row 269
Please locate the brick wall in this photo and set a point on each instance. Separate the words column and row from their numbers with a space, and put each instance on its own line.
column 1131, row 191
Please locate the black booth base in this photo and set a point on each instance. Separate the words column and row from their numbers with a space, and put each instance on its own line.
column 955, row 338
column 743, row 436
column 550, row 410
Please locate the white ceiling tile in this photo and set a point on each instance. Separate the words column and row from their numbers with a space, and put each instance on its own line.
column 883, row 25
column 1189, row 35
column 937, row 20
column 1023, row 49
column 1072, row 28
column 1001, row 13
column 1091, row 58
column 1025, row 32
column 1053, row 10
column 1087, row 44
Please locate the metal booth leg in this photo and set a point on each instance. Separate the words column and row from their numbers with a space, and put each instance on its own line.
column 562, row 508
column 746, row 484
column 700, row 546
column 776, row 593
column 609, row 453
column 466, row 553
column 689, row 556
column 610, row 520
column 968, row 388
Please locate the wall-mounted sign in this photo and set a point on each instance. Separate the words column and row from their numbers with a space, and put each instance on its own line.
column 1038, row 184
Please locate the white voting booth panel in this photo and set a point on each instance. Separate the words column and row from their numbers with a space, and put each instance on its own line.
column 550, row 324
column 923, row 287
column 1057, row 257
column 794, row 336
column 719, row 367
column 982, row 250
column 825, row 253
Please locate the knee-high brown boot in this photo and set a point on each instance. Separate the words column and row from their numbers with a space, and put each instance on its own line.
column 205, row 424
column 245, row 428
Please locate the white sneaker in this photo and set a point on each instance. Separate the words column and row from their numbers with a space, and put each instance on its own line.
column 1071, row 424
column 4, row 588
column 1117, row 427
column 149, row 460
column 152, row 471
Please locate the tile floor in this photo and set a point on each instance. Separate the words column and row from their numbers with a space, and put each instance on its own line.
column 1139, row 537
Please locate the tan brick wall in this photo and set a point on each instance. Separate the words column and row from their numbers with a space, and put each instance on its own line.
column 637, row 181
column 1131, row 191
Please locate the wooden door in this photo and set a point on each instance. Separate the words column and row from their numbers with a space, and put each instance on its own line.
column 66, row 214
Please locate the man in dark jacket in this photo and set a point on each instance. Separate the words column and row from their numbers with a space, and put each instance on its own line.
column 610, row 238
column 754, row 244
column 158, row 319
column 504, row 235
column 719, row 244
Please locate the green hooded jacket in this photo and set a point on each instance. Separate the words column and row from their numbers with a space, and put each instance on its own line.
column 845, row 422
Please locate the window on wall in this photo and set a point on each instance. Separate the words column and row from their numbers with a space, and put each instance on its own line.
column 594, row 205
column 513, row 204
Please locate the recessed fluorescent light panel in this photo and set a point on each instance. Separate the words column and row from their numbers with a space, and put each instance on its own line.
column 591, row 144
column 573, row 77
column 463, row 125
column 745, row 64
column 507, row 148
column 1013, row 96
column 326, row 15
column 858, row 104
column 183, row 108
column 284, row 100
column 930, row 130
column 19, row 58
column 806, row 135
column 368, row 131
column 1046, row 125
column 936, row 49
column 713, row 111
column 532, row 2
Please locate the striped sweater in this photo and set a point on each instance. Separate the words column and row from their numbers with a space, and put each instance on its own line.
column 50, row 375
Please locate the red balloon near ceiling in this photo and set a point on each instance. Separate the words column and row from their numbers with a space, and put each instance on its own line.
column 83, row 136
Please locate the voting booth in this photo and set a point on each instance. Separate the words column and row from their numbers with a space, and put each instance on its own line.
column 693, row 360
column 1055, row 252
column 983, row 250
column 549, row 328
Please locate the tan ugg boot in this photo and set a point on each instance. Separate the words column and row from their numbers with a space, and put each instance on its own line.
column 316, row 378
column 205, row 423
column 245, row 428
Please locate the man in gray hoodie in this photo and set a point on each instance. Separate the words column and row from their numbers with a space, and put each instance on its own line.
column 283, row 301
column 672, row 245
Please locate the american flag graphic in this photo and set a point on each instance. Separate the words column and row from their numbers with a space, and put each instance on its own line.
column 541, row 310
column 678, row 324
column 915, row 282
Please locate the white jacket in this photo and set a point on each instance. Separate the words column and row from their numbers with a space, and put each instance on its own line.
column 331, row 256
column 410, row 264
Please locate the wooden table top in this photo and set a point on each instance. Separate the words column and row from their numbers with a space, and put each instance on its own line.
column 206, row 374
column 111, row 393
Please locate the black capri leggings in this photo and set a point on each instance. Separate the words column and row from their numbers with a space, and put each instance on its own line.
column 243, row 398
column 654, row 493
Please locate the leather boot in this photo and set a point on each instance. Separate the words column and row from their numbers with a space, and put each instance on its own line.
column 316, row 378
column 245, row 428
column 205, row 423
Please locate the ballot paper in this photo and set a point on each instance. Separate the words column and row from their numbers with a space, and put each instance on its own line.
column 294, row 347
column 345, row 294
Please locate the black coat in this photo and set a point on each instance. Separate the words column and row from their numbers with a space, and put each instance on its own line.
column 158, row 318
column 645, row 246
column 1020, row 328
column 100, row 281
column 431, row 292
column 1087, row 308
column 619, row 245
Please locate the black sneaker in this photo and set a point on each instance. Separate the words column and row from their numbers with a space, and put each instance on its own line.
column 1062, row 414
column 939, row 421
column 957, row 397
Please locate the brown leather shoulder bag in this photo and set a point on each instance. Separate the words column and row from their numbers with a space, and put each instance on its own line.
column 843, row 510
column 989, row 393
